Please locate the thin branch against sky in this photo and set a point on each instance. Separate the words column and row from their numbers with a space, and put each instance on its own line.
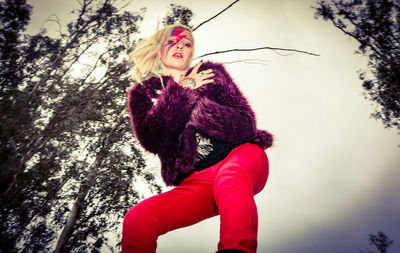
column 249, row 61
column 216, row 15
column 258, row 48
column 275, row 49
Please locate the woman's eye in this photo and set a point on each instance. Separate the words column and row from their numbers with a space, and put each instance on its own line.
column 188, row 45
column 169, row 42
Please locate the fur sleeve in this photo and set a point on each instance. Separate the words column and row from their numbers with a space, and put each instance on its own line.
column 224, row 123
column 158, row 127
column 224, row 112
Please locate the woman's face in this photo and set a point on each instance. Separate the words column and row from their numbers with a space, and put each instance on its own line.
column 177, row 49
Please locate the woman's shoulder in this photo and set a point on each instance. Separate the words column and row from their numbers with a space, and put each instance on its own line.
column 152, row 82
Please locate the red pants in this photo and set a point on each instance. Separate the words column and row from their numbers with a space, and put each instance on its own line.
column 226, row 188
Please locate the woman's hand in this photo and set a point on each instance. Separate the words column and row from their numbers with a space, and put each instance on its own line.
column 155, row 100
column 195, row 80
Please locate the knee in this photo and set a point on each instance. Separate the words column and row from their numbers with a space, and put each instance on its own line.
column 131, row 224
column 132, row 217
column 138, row 232
column 233, row 179
column 139, row 219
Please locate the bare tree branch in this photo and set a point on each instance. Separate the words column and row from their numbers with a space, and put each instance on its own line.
column 208, row 20
column 83, row 191
column 249, row 61
column 126, row 5
column 52, row 18
column 276, row 49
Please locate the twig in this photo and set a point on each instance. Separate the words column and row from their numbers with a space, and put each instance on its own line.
column 258, row 48
column 208, row 20
column 124, row 6
column 55, row 20
column 277, row 52
column 249, row 61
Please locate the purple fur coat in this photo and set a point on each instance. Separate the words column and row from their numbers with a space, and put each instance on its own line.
column 169, row 128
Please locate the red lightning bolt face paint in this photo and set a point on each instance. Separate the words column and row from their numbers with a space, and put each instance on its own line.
column 174, row 33
column 176, row 52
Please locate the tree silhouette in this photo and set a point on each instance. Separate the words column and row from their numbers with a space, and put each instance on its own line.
column 375, row 24
column 178, row 15
column 380, row 241
column 69, row 162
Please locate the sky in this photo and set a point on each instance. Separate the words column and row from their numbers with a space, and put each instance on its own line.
column 334, row 171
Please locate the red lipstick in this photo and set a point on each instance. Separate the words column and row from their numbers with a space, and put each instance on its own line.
column 177, row 55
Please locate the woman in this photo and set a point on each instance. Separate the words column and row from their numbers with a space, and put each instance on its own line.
column 204, row 132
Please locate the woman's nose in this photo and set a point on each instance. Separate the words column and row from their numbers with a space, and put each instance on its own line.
column 179, row 45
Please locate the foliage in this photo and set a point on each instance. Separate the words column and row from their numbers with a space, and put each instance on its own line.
column 178, row 14
column 65, row 138
column 380, row 241
column 375, row 24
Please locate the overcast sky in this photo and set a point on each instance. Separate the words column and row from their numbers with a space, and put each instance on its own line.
column 334, row 171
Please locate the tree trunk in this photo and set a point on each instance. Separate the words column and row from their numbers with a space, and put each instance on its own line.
column 68, row 227
column 69, row 224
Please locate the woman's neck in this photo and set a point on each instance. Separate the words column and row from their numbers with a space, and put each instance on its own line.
column 175, row 73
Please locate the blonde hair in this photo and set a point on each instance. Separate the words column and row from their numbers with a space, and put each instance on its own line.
column 145, row 57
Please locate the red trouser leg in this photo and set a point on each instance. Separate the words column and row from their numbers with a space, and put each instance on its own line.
column 186, row 204
column 226, row 188
column 242, row 176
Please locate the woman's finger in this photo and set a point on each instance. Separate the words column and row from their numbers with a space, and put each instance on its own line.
column 154, row 101
column 204, row 81
column 207, row 71
column 183, row 75
column 207, row 81
column 195, row 69
column 181, row 78
column 206, row 76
